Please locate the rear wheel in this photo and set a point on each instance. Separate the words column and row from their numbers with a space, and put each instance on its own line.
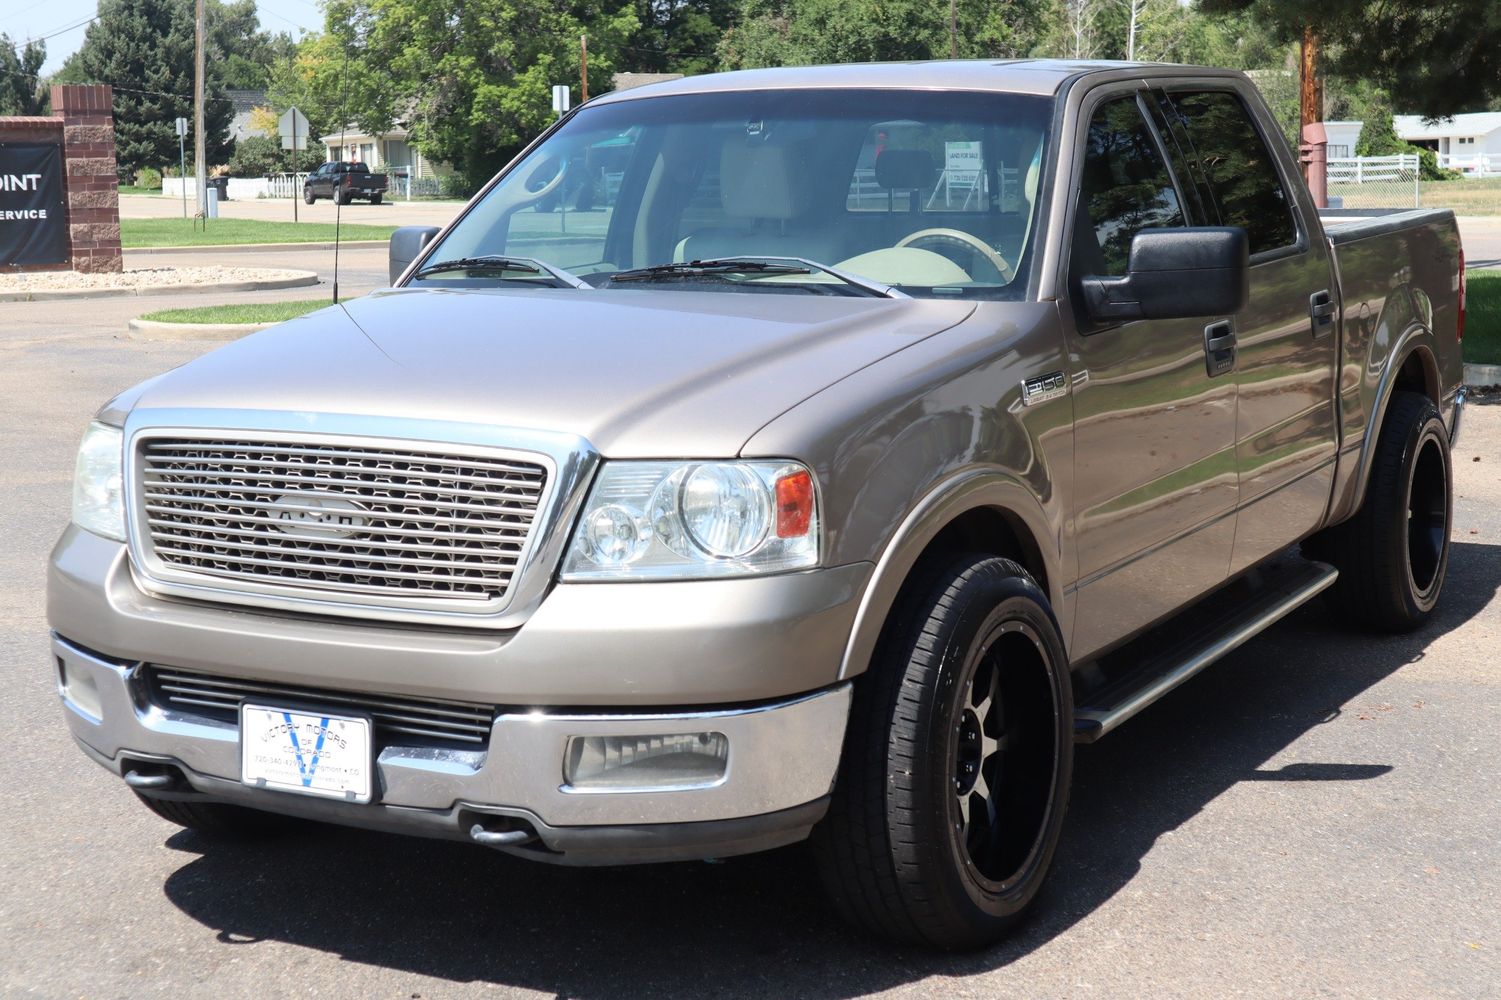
column 342, row 198
column 957, row 762
column 215, row 819
column 375, row 199
column 1393, row 554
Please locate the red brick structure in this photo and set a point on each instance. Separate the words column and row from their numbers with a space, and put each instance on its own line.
column 83, row 122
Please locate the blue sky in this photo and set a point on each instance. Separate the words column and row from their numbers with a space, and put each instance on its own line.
column 64, row 21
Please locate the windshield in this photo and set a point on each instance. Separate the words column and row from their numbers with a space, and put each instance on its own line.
column 931, row 193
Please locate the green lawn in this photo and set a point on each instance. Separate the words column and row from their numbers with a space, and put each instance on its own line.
column 251, row 312
column 1483, row 317
column 135, row 233
column 133, row 189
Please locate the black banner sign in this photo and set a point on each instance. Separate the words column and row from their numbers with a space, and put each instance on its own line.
column 33, row 214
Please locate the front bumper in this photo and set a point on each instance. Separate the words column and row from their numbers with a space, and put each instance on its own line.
column 782, row 760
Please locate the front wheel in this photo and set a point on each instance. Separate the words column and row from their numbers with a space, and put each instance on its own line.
column 307, row 196
column 957, row 763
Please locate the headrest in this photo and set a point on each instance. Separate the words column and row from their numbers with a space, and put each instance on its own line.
column 904, row 169
column 758, row 180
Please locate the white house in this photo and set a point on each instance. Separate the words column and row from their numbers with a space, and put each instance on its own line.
column 389, row 152
column 1342, row 138
column 1471, row 143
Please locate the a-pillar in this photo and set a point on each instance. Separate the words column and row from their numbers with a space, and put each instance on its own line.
column 87, row 111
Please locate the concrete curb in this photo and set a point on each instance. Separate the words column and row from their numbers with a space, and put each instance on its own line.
column 259, row 247
column 150, row 329
column 299, row 279
column 1482, row 375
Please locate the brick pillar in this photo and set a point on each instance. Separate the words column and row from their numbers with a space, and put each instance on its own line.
column 93, row 191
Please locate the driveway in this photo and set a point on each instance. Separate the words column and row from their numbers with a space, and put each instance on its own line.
column 1314, row 816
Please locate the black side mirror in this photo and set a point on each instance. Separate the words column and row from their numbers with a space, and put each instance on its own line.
column 406, row 243
column 1176, row 274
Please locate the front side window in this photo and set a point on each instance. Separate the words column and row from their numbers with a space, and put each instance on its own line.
column 1237, row 167
column 936, row 194
column 1124, row 188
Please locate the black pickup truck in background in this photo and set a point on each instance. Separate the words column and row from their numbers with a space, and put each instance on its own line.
column 344, row 182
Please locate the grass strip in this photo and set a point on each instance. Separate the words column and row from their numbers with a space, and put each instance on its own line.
column 1483, row 317
column 141, row 233
column 246, row 312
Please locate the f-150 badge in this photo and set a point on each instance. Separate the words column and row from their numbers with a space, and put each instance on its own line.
column 1041, row 388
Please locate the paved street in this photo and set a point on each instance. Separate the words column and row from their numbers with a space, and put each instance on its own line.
column 1314, row 816
column 389, row 213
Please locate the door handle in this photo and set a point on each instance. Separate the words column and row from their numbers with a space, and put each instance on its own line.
column 1219, row 348
column 1321, row 309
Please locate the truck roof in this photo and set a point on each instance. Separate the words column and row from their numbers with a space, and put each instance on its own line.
column 1042, row 77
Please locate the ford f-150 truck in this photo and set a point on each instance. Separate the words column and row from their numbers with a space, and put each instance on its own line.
column 885, row 432
column 344, row 182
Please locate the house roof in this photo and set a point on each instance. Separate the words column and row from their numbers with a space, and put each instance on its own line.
column 242, row 101
column 1414, row 127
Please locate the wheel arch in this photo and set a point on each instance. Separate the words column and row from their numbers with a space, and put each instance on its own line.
column 977, row 511
column 1414, row 368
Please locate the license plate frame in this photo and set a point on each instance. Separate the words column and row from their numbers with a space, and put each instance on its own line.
column 340, row 766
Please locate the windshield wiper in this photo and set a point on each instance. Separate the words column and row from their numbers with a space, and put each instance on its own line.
column 752, row 265
column 499, row 262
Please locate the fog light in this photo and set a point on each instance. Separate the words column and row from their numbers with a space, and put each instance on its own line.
column 641, row 763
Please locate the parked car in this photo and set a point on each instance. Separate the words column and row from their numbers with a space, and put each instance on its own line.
column 895, row 428
column 344, row 182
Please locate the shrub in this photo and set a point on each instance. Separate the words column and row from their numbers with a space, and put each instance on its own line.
column 454, row 186
column 149, row 178
column 259, row 155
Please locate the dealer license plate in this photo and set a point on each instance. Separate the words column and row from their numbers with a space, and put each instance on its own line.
column 308, row 752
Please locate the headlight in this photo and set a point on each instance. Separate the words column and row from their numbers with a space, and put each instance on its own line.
column 98, row 500
column 686, row 520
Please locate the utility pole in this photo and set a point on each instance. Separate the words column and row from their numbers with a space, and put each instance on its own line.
column 583, row 68
column 200, row 166
column 953, row 29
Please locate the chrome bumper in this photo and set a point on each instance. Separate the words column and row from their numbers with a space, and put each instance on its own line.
column 1459, row 412
column 781, row 767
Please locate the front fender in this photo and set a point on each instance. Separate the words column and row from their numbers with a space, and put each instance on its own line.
column 967, row 491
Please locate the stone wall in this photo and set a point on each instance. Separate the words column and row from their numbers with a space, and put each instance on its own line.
column 83, row 123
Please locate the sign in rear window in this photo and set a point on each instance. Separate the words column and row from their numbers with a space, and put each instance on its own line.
column 33, row 216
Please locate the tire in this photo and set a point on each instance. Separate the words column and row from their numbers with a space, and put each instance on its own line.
column 342, row 198
column 970, row 675
column 1393, row 554
column 375, row 199
column 215, row 819
column 307, row 196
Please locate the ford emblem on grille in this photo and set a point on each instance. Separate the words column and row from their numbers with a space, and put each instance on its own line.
column 311, row 516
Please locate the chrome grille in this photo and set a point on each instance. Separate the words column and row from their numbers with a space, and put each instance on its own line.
column 387, row 525
column 397, row 718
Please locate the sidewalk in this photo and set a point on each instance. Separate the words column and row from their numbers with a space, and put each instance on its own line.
column 389, row 213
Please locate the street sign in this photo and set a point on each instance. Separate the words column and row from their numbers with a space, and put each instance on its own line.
column 293, row 127
column 561, row 99
column 182, row 127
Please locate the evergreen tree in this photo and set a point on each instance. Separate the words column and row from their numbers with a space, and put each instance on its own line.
column 144, row 49
column 1439, row 57
column 21, row 92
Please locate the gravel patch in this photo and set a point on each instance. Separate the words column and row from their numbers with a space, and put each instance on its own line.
column 139, row 277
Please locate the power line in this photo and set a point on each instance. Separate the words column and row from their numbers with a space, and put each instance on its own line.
column 63, row 31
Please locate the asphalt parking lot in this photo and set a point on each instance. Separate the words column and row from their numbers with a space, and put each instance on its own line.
column 1314, row 816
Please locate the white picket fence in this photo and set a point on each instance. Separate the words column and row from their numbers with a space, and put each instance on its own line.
column 1471, row 164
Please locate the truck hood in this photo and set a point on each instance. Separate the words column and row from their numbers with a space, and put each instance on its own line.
column 637, row 373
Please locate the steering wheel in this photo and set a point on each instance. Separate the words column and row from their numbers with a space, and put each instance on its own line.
column 966, row 240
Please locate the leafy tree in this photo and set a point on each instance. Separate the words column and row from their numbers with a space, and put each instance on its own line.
column 259, row 155
column 800, row 32
column 677, row 36
column 144, row 49
column 471, row 79
column 21, row 92
column 1440, row 57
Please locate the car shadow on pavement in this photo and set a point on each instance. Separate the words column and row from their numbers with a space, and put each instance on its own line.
column 757, row 926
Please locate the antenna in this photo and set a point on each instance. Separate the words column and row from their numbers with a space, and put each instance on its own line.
column 343, row 151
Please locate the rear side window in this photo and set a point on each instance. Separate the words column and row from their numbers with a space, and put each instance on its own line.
column 1125, row 188
column 1238, row 168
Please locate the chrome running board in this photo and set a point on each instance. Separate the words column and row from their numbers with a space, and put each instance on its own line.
column 1118, row 701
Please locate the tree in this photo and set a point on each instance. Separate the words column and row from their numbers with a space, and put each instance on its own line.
column 144, row 49
column 471, row 79
column 259, row 155
column 21, row 92
column 243, row 54
column 1437, row 58
column 677, row 36
column 800, row 32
